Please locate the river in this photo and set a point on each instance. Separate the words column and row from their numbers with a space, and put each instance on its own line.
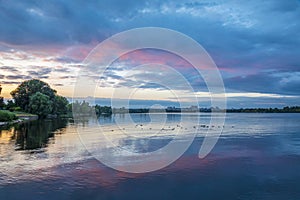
column 256, row 157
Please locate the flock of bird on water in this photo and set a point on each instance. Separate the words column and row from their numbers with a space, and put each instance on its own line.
column 169, row 128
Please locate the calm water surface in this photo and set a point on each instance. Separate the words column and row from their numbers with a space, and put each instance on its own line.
column 257, row 157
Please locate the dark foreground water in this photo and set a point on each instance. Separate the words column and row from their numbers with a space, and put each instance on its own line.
column 257, row 157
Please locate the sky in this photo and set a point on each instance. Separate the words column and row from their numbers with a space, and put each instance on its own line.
column 255, row 45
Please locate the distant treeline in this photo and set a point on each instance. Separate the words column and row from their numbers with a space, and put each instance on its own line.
column 287, row 109
column 84, row 108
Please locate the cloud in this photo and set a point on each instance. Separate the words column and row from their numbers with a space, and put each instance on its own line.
column 61, row 69
column 9, row 69
column 21, row 77
column 255, row 44
column 10, row 82
column 59, row 21
column 272, row 82
column 66, row 77
column 58, row 84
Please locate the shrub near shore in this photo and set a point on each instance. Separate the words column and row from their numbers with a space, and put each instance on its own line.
column 6, row 116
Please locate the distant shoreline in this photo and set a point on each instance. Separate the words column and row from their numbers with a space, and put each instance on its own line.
column 193, row 109
column 25, row 117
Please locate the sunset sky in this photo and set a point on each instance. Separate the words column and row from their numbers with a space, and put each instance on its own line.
column 255, row 44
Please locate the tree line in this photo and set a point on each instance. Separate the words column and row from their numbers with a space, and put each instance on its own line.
column 287, row 109
column 37, row 97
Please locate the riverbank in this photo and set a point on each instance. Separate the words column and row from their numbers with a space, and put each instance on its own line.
column 26, row 116
column 21, row 118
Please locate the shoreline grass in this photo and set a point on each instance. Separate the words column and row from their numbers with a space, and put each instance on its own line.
column 7, row 116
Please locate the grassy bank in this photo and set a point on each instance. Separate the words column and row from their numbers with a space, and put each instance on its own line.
column 7, row 116
column 20, row 114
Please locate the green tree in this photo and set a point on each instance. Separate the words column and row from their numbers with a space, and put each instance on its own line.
column 10, row 105
column 2, row 104
column 25, row 90
column 60, row 105
column 103, row 110
column 40, row 104
column 1, row 100
column 6, row 116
